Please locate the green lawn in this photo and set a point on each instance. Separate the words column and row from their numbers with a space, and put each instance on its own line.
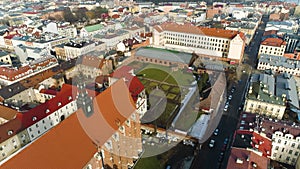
column 149, row 163
column 171, row 96
column 175, row 90
column 163, row 119
column 165, row 87
column 153, row 73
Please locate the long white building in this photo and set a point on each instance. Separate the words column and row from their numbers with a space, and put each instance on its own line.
column 227, row 45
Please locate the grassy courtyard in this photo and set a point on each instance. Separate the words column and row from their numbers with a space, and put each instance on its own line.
column 174, row 85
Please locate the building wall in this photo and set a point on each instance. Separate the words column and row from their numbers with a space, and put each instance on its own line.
column 25, row 96
column 5, row 59
column 73, row 52
column 236, row 49
column 285, row 148
column 278, row 69
column 141, row 103
column 160, row 62
column 260, row 107
column 271, row 50
column 201, row 44
column 42, row 126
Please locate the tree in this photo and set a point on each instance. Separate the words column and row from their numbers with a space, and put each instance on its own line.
column 68, row 15
column 90, row 15
column 81, row 14
column 99, row 11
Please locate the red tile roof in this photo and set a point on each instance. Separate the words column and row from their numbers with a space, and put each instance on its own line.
column 63, row 98
column 264, row 144
column 23, row 121
column 64, row 146
column 12, row 73
column 72, row 143
column 191, row 29
column 243, row 155
column 48, row 91
column 134, row 84
column 92, row 61
column 273, row 42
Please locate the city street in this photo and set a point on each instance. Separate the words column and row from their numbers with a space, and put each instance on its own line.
column 211, row 158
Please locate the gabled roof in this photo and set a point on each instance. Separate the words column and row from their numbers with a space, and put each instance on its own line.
column 23, row 121
column 191, row 29
column 134, row 85
column 72, row 143
column 273, row 42
column 43, row 110
column 92, row 61
column 64, row 146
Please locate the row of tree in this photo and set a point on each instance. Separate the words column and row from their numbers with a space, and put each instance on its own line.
column 83, row 14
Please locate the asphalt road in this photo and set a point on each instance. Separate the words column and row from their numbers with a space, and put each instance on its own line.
column 209, row 158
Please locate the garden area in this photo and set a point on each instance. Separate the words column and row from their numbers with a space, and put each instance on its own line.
column 174, row 85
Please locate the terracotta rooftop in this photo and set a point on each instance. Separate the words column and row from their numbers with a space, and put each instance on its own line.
column 273, row 42
column 65, row 146
column 7, row 113
column 191, row 29
column 72, row 143
column 133, row 83
column 244, row 159
column 92, row 61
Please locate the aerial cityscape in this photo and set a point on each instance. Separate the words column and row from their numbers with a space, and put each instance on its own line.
column 125, row 84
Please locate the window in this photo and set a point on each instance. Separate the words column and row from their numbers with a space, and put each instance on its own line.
column 287, row 158
column 279, row 141
column 296, row 153
column 276, row 148
column 291, row 151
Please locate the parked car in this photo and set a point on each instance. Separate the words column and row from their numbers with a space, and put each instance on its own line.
column 216, row 132
column 226, row 141
column 211, row 143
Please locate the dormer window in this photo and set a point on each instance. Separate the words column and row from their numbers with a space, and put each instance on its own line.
column 34, row 118
column 59, row 103
column 10, row 132
column 70, row 97
column 47, row 110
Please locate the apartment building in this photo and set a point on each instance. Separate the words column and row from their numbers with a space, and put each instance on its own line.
column 264, row 97
column 279, row 64
column 272, row 46
column 283, row 135
column 63, row 29
column 31, row 124
column 91, row 30
column 10, row 75
column 224, row 44
column 93, row 66
column 73, row 49
column 5, row 58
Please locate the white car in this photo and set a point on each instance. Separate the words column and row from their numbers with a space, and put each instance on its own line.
column 226, row 107
column 211, row 143
column 230, row 97
column 216, row 132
